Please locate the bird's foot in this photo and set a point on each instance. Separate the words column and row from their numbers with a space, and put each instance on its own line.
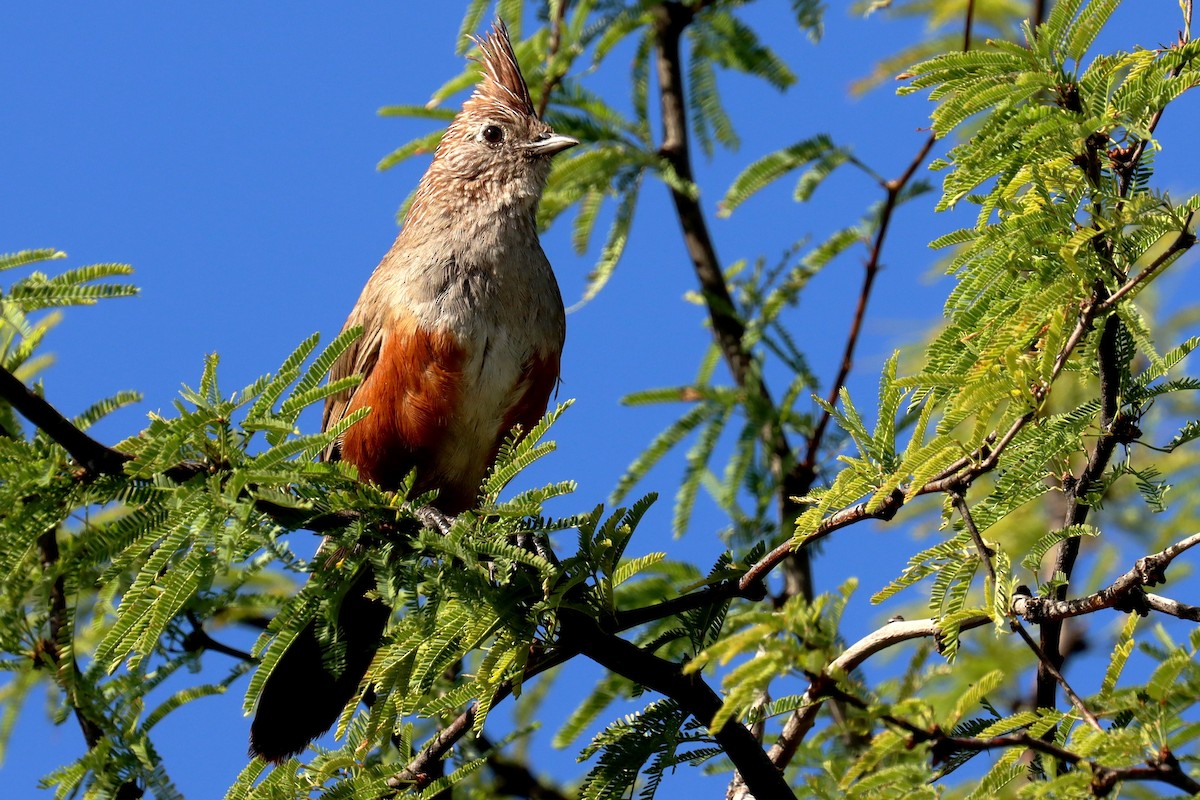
column 537, row 543
column 433, row 519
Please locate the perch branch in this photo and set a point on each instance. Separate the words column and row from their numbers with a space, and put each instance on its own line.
column 94, row 457
column 553, row 76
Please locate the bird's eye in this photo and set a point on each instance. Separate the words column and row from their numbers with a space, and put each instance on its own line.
column 493, row 134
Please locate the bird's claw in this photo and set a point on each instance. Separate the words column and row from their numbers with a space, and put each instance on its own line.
column 537, row 543
column 433, row 519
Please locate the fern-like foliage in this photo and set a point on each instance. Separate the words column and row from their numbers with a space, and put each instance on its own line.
column 1048, row 412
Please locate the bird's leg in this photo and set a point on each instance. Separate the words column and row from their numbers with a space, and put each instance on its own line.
column 441, row 522
column 435, row 520
column 537, row 543
column 542, row 544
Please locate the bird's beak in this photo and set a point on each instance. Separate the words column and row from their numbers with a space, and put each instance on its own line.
column 551, row 143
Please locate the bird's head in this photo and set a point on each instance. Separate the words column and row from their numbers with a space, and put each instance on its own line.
column 497, row 149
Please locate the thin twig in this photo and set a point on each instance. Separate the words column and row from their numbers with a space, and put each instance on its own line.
column 553, row 77
column 1139, row 149
column 1183, row 241
column 515, row 778
column 417, row 773
column 708, row 596
column 967, row 470
column 893, row 189
column 802, row 719
column 985, row 552
column 438, row 746
column 198, row 639
column 1162, row 767
column 1166, row 605
column 1045, row 663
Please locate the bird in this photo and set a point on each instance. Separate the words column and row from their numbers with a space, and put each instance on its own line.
column 463, row 329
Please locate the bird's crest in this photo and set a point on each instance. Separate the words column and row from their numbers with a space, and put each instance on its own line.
column 502, row 86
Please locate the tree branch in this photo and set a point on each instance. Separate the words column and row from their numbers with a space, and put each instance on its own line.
column 66, row 668
column 893, row 189
column 99, row 459
column 94, row 457
column 985, row 552
column 670, row 21
column 893, row 633
column 957, row 476
column 416, row 771
column 1162, row 767
column 1076, row 493
column 1045, row 663
column 709, row 595
column 1166, row 605
column 198, row 639
column 1129, row 164
column 515, row 779
column 1183, row 242
column 1039, row 13
column 985, row 555
column 688, row 690
column 1124, row 594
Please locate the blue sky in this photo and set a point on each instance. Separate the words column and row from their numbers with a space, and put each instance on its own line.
column 227, row 151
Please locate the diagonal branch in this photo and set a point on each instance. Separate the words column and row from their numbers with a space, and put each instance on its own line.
column 958, row 476
column 94, row 457
column 690, row 691
column 985, row 553
column 893, row 633
column 1048, row 666
column 1166, row 605
column 1163, row 766
column 515, row 778
column 893, row 189
column 1183, row 241
column 437, row 747
column 708, row 596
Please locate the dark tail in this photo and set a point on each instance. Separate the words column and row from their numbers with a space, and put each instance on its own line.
column 302, row 698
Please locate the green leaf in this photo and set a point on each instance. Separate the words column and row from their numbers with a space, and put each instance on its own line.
column 774, row 166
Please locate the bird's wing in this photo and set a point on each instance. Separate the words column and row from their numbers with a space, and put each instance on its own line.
column 531, row 395
column 358, row 359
